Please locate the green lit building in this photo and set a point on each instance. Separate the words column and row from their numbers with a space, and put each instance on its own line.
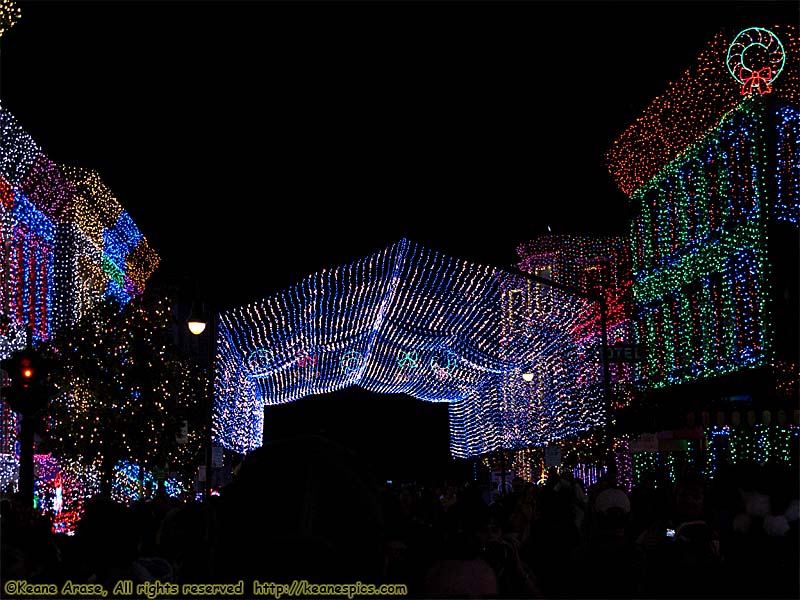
column 713, row 172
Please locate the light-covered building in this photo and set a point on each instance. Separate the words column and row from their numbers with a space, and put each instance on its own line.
column 712, row 170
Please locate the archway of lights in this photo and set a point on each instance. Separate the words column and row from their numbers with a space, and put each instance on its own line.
column 411, row 320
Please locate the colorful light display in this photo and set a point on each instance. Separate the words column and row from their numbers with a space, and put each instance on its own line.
column 593, row 266
column 762, row 443
column 411, row 320
column 709, row 175
column 702, row 271
column 62, row 487
column 65, row 244
column 126, row 392
column 580, row 456
column 787, row 172
column 755, row 59
column 711, row 166
column 692, row 106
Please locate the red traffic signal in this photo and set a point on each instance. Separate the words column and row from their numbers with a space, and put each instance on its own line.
column 26, row 388
column 23, row 368
column 20, row 368
column 26, row 370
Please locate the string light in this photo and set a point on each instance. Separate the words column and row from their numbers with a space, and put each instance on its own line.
column 67, row 241
column 414, row 321
column 593, row 266
column 10, row 13
column 690, row 107
column 596, row 265
column 787, row 173
column 700, row 177
column 63, row 486
column 67, row 244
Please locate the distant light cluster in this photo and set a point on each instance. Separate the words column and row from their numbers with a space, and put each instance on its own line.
column 763, row 443
column 63, row 486
column 9, row 15
column 692, row 106
column 411, row 320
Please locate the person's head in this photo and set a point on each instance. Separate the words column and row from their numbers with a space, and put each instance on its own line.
column 697, row 544
column 611, row 512
column 455, row 578
column 107, row 535
column 689, row 497
column 306, row 508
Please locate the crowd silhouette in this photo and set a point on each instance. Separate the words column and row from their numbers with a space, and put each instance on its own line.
column 307, row 509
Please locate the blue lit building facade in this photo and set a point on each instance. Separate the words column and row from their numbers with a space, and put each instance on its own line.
column 66, row 243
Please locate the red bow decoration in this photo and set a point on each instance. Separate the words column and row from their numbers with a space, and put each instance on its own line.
column 755, row 81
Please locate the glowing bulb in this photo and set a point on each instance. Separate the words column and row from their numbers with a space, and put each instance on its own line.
column 197, row 327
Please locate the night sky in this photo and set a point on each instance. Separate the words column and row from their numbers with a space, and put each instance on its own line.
column 255, row 143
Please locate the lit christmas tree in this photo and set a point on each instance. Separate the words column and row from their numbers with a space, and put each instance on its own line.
column 125, row 391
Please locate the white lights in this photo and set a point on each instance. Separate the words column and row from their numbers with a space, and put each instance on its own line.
column 411, row 320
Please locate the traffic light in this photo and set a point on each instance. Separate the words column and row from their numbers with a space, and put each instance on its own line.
column 27, row 388
column 26, row 370
column 21, row 368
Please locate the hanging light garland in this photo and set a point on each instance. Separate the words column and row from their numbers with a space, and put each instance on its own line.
column 411, row 320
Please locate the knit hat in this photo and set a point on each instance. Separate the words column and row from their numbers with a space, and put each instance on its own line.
column 612, row 498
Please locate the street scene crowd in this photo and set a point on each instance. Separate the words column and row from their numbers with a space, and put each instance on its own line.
column 307, row 509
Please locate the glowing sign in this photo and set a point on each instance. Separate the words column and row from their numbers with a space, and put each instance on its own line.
column 755, row 59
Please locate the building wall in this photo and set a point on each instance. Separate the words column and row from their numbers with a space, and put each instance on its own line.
column 592, row 266
column 712, row 168
column 700, row 258
column 65, row 244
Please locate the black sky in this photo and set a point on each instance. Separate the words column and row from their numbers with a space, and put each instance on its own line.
column 254, row 143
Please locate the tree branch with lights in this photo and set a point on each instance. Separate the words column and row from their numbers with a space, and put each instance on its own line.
column 125, row 390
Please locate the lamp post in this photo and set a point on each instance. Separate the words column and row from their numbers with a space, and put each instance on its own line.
column 198, row 322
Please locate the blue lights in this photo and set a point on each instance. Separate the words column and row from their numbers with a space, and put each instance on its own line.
column 413, row 321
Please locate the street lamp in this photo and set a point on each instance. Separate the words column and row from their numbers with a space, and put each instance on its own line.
column 197, row 323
